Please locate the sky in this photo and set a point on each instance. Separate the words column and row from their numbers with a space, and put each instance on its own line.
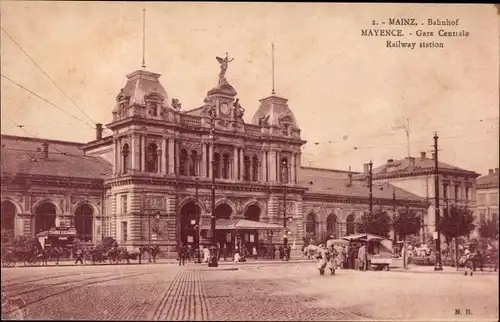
column 348, row 92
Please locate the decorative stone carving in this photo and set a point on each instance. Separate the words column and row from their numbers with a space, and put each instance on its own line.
column 238, row 206
column 155, row 202
column 208, row 203
column 176, row 105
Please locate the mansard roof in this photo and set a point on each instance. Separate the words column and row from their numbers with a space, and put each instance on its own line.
column 24, row 155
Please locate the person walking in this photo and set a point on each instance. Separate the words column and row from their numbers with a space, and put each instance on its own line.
column 182, row 255
column 362, row 257
column 254, row 252
column 57, row 252
column 154, row 252
column 468, row 261
column 224, row 252
column 79, row 255
column 236, row 255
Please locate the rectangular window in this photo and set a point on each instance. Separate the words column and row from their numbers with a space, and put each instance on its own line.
column 493, row 198
column 494, row 215
column 457, row 193
column 467, row 193
column 482, row 215
column 124, row 231
column 445, row 191
column 124, row 204
column 481, row 199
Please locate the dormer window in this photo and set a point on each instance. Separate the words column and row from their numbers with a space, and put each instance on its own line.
column 286, row 123
column 153, row 103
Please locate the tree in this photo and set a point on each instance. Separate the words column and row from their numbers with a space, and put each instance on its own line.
column 406, row 223
column 377, row 223
column 456, row 221
column 488, row 229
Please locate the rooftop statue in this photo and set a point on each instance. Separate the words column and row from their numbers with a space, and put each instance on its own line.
column 223, row 67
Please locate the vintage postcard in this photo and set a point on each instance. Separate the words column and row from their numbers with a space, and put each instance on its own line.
column 249, row 161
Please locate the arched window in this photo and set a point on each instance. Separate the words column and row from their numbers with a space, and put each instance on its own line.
column 193, row 164
column 152, row 158
column 311, row 226
column 246, row 173
column 350, row 229
column 225, row 166
column 183, row 162
column 216, row 167
column 8, row 220
column 83, row 222
column 255, row 168
column 126, row 157
column 284, row 170
column 331, row 225
column 45, row 217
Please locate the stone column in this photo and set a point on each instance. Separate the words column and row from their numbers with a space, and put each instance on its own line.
column 176, row 153
column 164, row 155
column 210, row 161
column 115, row 157
column 203, row 166
column 171, row 149
column 242, row 165
column 235, row 163
column 292, row 168
column 263, row 165
column 133, row 151
column 298, row 164
column 142, row 150
column 272, row 166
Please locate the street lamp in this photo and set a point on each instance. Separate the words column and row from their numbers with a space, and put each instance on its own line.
column 197, row 225
column 212, row 262
column 284, row 168
column 157, row 217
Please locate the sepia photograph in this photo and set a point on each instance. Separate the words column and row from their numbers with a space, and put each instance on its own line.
column 240, row 161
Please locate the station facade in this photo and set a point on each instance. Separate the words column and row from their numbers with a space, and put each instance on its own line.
column 148, row 180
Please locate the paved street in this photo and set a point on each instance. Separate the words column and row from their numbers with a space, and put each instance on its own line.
column 288, row 291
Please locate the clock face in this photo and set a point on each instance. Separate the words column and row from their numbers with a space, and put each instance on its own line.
column 224, row 108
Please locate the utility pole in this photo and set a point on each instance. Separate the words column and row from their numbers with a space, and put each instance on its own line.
column 395, row 238
column 370, row 200
column 284, row 168
column 438, row 266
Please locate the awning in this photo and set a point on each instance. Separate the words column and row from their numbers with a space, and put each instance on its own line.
column 364, row 237
column 239, row 224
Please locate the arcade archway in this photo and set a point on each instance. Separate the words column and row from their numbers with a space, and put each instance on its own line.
column 45, row 217
column 312, row 226
column 84, row 222
column 223, row 211
column 251, row 237
column 350, row 225
column 188, row 233
column 8, row 220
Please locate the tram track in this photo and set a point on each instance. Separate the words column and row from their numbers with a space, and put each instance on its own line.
column 102, row 279
column 184, row 299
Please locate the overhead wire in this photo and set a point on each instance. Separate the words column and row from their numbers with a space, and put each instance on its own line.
column 41, row 69
column 45, row 100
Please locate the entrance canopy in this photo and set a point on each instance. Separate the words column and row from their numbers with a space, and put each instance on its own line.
column 239, row 224
column 59, row 231
column 363, row 237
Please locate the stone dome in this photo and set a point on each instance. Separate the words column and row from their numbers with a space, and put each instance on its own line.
column 274, row 111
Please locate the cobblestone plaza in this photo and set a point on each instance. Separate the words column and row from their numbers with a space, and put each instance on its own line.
column 257, row 291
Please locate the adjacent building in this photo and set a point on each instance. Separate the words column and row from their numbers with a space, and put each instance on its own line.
column 487, row 196
column 416, row 175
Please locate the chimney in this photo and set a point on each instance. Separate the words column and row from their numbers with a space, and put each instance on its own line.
column 422, row 155
column 366, row 167
column 349, row 175
column 98, row 131
column 490, row 171
column 45, row 152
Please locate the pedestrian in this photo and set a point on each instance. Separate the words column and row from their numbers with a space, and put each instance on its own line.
column 182, row 255
column 79, row 255
column 254, row 252
column 362, row 257
column 57, row 252
column 154, row 252
column 141, row 252
column 281, row 252
column 236, row 255
column 468, row 261
column 224, row 252
column 206, row 254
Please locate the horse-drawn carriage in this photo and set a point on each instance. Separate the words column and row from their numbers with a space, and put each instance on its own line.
column 29, row 256
column 101, row 255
